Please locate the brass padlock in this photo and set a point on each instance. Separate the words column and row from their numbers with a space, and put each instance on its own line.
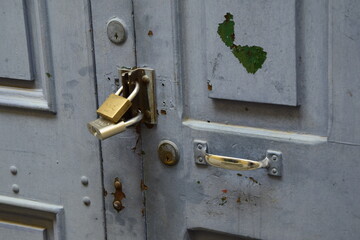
column 115, row 106
column 102, row 128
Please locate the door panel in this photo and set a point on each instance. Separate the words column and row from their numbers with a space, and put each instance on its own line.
column 15, row 49
column 26, row 49
column 50, row 165
column 274, row 30
column 344, row 59
column 315, row 198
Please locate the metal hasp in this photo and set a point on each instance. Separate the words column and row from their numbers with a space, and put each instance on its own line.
column 145, row 100
column 272, row 162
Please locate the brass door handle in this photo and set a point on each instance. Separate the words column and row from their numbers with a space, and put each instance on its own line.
column 272, row 161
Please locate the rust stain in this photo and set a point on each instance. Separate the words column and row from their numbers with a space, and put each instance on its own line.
column 210, row 87
column 224, row 190
column 150, row 33
column 119, row 195
column 143, row 187
column 163, row 112
column 143, row 212
column 238, row 200
column 105, row 192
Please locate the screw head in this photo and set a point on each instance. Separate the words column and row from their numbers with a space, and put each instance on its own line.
column 84, row 180
column 199, row 146
column 274, row 157
column 13, row 170
column 200, row 159
column 15, row 188
column 274, row 171
column 86, row 201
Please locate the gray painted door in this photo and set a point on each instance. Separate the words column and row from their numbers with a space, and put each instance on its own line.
column 51, row 184
column 303, row 101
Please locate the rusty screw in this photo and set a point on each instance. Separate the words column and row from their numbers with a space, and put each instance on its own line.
column 117, row 205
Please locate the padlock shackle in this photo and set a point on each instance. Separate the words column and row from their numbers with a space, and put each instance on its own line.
column 135, row 119
column 119, row 91
column 134, row 92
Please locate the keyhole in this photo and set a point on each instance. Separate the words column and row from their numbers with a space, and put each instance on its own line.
column 116, row 36
column 168, row 157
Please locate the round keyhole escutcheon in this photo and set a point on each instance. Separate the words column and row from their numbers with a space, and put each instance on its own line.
column 116, row 31
column 168, row 153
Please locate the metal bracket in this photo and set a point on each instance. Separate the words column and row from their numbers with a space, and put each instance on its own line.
column 145, row 99
column 272, row 162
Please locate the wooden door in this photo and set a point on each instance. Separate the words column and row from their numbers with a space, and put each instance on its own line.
column 300, row 97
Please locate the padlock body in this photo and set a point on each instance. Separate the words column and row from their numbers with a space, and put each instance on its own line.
column 114, row 108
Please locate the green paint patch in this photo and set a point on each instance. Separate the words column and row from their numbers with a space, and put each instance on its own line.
column 48, row 75
column 251, row 57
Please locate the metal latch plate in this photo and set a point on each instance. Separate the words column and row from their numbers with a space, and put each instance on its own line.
column 145, row 101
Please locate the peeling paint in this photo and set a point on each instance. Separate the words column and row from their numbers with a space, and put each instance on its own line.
column 251, row 57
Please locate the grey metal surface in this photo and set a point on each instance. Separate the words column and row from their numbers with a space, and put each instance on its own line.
column 15, row 48
column 51, row 152
column 314, row 199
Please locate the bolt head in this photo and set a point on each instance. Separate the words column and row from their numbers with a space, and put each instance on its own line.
column 86, row 201
column 84, row 180
column 145, row 79
column 274, row 171
column 15, row 188
column 147, row 114
column 13, row 170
